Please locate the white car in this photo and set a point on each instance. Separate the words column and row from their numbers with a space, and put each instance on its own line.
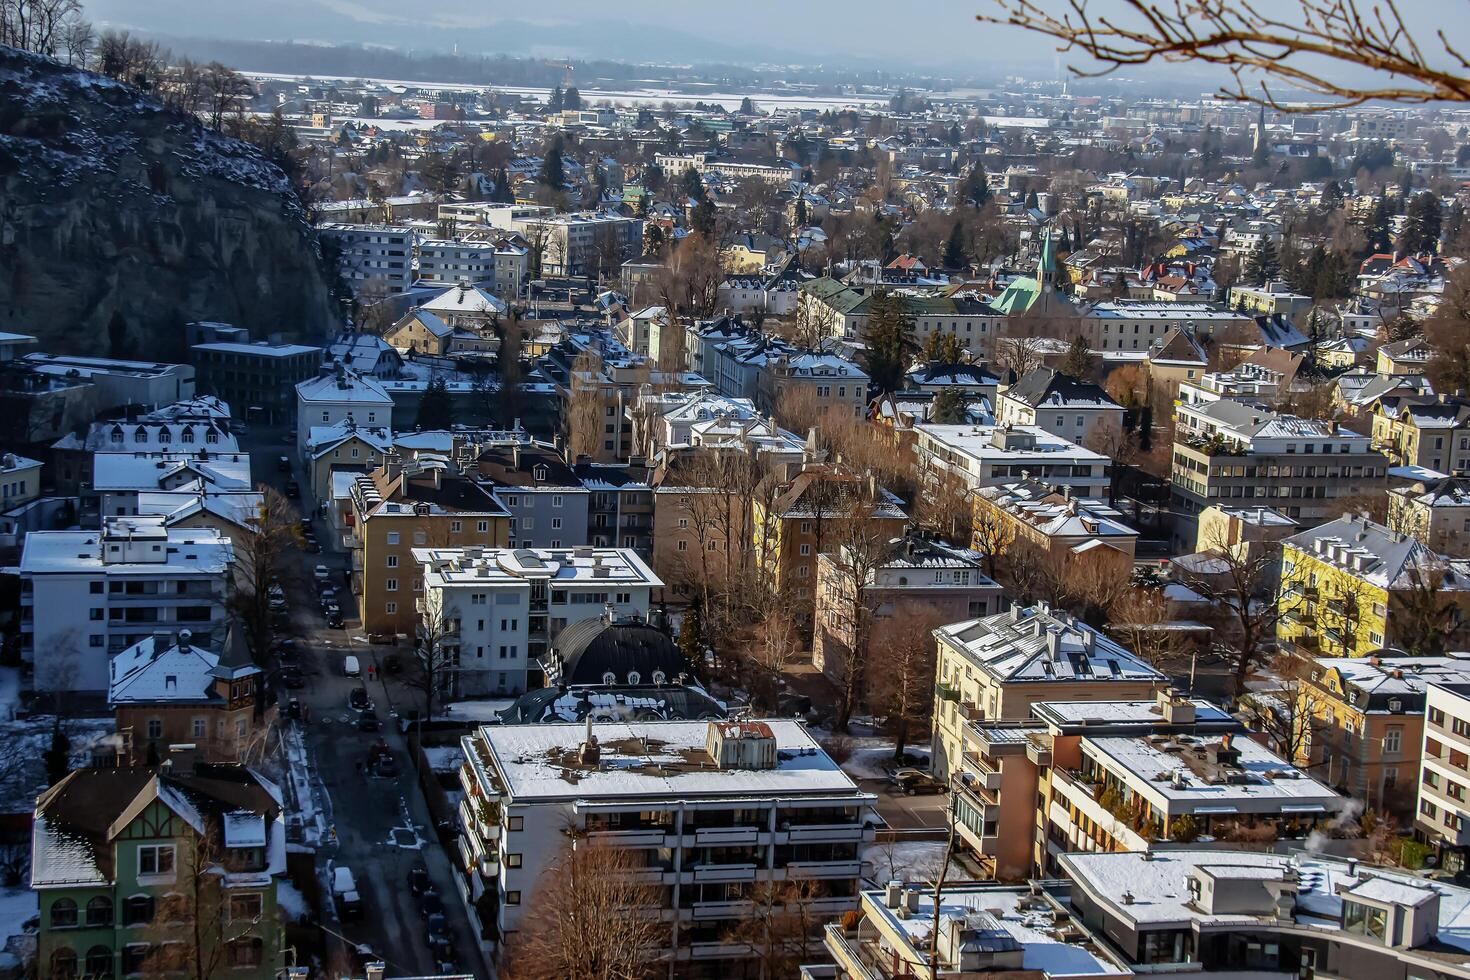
column 320, row 573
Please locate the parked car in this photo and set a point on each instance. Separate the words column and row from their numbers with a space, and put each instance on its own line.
column 418, row 881
column 334, row 618
column 311, row 547
column 344, row 893
column 915, row 781
column 367, row 721
column 293, row 708
column 389, row 639
column 320, row 573
column 293, row 489
column 392, row 664
column 430, row 904
column 358, row 699
column 327, row 598
column 387, row 767
column 292, row 680
column 350, row 666
column 283, row 464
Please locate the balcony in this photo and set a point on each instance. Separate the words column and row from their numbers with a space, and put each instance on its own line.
column 725, row 836
column 722, row 910
column 825, row 833
column 724, row 872
column 946, row 693
column 985, row 775
column 635, row 837
column 824, row 869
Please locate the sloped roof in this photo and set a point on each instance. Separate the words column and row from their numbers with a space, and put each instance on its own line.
column 1035, row 645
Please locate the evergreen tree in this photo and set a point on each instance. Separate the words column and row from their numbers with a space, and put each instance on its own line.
column 1032, row 203
column 1146, row 429
column 977, row 186
column 436, row 409
column 557, row 101
column 954, row 249
column 57, row 758
column 691, row 639
column 502, row 193
column 889, row 339
column 553, row 171
column 1263, row 266
column 1080, row 361
column 1332, row 195
column 1423, row 223
column 747, row 107
column 943, row 347
column 572, row 99
column 949, row 407
column 1380, row 239
column 119, row 342
column 703, row 219
column 692, row 183
column 800, row 212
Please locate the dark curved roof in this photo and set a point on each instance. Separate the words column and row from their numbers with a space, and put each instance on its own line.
column 589, row 650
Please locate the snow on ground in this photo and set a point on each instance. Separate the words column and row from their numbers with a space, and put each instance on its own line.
column 910, row 860
column 9, row 692
column 291, row 901
column 23, row 770
column 17, row 906
column 872, row 754
column 444, row 758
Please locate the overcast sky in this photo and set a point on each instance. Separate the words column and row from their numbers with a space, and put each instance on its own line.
column 936, row 35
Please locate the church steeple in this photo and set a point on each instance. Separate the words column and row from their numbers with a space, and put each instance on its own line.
column 1046, row 265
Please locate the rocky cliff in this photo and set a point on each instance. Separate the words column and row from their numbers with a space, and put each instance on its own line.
column 121, row 220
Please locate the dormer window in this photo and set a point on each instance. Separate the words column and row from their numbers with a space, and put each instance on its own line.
column 211, row 436
column 187, row 436
column 609, row 678
column 540, row 472
column 140, row 434
column 117, row 436
column 164, row 437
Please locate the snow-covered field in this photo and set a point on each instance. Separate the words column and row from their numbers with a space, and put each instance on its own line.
column 910, row 860
column 872, row 753
column 17, row 905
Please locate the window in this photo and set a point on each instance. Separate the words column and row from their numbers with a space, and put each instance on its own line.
column 246, row 952
column 95, row 615
column 556, row 500
column 455, row 527
column 99, row 961
column 156, row 859
column 95, row 588
column 513, row 898
column 512, row 860
column 556, row 523
column 391, row 584
column 137, row 910
column 64, row 962
column 390, row 608
column 392, row 537
column 515, row 823
column 63, row 914
column 245, row 907
column 99, row 911
column 482, row 526
column 392, row 561
column 683, row 544
column 1393, row 741
column 155, row 728
column 201, row 728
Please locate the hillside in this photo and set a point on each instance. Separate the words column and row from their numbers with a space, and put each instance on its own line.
column 112, row 204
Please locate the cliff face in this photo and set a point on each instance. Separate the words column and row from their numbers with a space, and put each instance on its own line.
column 120, row 221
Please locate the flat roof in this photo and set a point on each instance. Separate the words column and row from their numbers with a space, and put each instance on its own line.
column 261, row 349
column 491, row 567
column 659, row 759
column 194, row 549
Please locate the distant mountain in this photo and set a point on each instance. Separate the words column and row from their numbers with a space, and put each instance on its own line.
column 121, row 220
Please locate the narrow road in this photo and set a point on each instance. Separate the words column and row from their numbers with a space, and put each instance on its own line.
column 381, row 823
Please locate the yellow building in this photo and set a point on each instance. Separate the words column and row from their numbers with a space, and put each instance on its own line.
column 994, row 669
column 1432, row 431
column 1361, row 723
column 1349, row 588
column 407, row 505
column 1436, row 512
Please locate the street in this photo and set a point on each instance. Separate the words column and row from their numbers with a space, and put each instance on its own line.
column 381, row 824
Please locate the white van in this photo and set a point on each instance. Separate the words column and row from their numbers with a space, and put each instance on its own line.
column 344, row 892
column 350, row 666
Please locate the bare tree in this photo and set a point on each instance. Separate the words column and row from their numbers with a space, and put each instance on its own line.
column 223, row 930
column 1239, row 585
column 260, row 554
column 689, row 282
column 991, row 533
column 781, row 928
column 435, row 651
column 590, row 917
column 1424, row 616
column 1288, row 43
column 946, row 507
column 372, row 313
column 1287, row 712
column 584, row 409
column 38, row 25
column 859, row 546
column 902, row 689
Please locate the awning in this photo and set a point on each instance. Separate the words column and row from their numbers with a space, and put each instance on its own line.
column 1214, row 809
column 1303, row 808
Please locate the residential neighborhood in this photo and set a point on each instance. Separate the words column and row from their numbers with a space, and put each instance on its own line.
column 533, row 509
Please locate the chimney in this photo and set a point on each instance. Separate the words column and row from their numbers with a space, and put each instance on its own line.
column 1053, row 644
column 893, row 894
column 591, row 753
column 375, row 970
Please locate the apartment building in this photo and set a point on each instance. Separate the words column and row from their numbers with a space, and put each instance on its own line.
column 256, row 378
column 584, row 243
column 619, row 505
column 117, row 383
column 1363, row 723
column 1428, row 431
column 985, row 455
column 985, row 930
column 1067, row 407
column 1436, row 512
column 112, row 848
column 1443, row 818
column 547, row 502
column 332, row 398
column 922, row 581
column 803, row 518
column 502, row 608
column 450, row 261
column 843, row 308
column 1199, row 911
column 403, row 505
column 86, row 595
column 707, row 812
column 673, row 166
column 1228, row 452
column 1409, row 356
column 373, row 252
column 118, row 480
column 343, row 448
column 166, row 690
column 700, row 532
column 1083, row 535
column 1273, row 299
column 827, row 382
column 1348, row 588
column 20, row 480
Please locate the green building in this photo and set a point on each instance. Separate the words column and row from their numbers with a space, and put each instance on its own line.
column 156, row 871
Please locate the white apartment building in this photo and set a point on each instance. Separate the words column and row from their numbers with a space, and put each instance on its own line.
column 449, row 261
column 706, row 811
column 1443, row 818
column 583, row 243
column 986, row 455
column 503, row 607
column 373, row 252
column 329, row 399
column 673, row 166
column 86, row 595
column 1062, row 405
